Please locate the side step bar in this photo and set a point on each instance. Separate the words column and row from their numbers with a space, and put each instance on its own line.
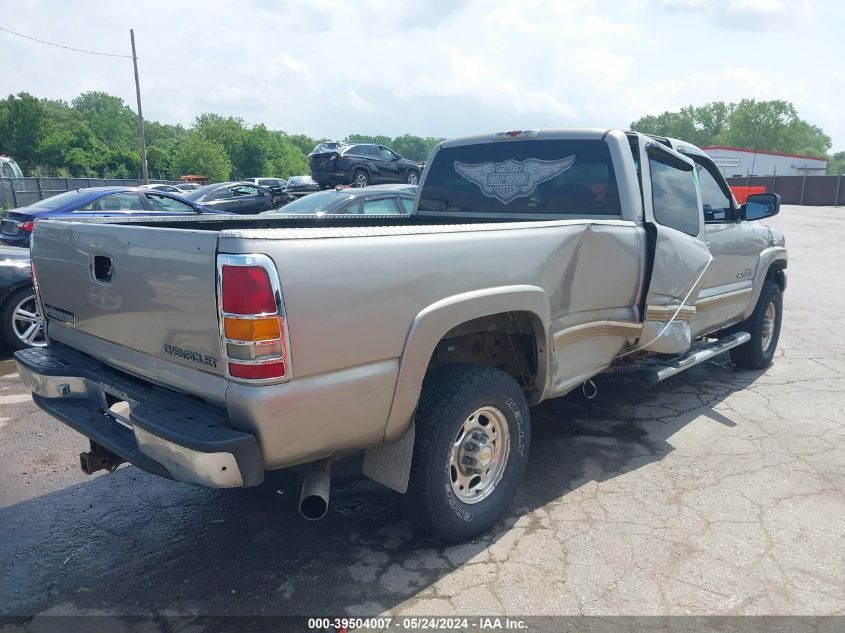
column 653, row 375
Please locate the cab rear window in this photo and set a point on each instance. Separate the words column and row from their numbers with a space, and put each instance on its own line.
column 533, row 178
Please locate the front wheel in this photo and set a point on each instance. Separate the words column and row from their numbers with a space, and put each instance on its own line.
column 413, row 178
column 473, row 433
column 764, row 327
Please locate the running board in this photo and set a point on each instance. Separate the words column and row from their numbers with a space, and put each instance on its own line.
column 653, row 375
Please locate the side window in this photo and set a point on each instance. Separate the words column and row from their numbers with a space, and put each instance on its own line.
column 387, row 154
column 674, row 197
column 115, row 202
column 382, row 206
column 244, row 190
column 163, row 203
column 353, row 209
column 717, row 204
column 407, row 204
column 6, row 170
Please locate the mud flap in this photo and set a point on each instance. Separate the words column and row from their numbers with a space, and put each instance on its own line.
column 390, row 464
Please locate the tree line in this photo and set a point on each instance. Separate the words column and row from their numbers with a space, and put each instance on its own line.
column 96, row 135
column 767, row 125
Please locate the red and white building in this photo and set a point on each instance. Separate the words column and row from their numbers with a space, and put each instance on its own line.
column 738, row 162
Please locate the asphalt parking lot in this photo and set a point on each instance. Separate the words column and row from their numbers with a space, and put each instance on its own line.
column 717, row 492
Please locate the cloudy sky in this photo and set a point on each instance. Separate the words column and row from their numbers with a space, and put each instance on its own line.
column 434, row 67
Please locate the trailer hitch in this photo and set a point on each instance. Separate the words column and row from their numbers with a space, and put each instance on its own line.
column 99, row 458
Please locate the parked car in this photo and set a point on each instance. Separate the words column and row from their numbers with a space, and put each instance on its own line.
column 536, row 260
column 360, row 164
column 187, row 186
column 276, row 186
column 21, row 324
column 162, row 187
column 9, row 168
column 375, row 200
column 301, row 186
column 233, row 197
column 16, row 225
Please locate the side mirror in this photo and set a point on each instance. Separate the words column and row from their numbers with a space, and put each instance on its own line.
column 761, row 205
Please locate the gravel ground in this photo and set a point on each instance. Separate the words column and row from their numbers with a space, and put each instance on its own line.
column 717, row 492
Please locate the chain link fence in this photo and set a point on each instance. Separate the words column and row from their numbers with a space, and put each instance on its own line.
column 21, row 192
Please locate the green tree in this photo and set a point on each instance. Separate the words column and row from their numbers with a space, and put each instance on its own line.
column 198, row 155
column 113, row 122
column 22, row 125
column 836, row 163
column 768, row 125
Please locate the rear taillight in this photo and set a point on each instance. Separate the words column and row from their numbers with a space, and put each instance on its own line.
column 26, row 226
column 252, row 318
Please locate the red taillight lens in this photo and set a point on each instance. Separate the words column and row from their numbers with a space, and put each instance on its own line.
column 26, row 226
column 257, row 372
column 247, row 290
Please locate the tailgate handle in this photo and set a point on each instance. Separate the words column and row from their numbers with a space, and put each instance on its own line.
column 102, row 269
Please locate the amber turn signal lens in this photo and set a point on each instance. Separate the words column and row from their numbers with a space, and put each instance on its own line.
column 265, row 329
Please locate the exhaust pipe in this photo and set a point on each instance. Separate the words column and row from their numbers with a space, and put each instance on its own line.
column 314, row 500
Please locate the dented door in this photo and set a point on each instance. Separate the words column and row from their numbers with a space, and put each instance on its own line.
column 672, row 209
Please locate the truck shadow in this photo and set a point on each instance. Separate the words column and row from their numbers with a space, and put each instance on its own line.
column 130, row 543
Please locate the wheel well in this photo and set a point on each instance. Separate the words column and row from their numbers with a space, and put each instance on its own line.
column 776, row 274
column 510, row 341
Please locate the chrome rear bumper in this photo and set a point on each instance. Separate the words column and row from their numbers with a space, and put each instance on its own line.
column 165, row 433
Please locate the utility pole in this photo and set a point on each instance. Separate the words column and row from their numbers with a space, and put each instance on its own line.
column 144, row 174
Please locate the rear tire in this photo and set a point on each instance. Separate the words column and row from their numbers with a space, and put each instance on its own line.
column 360, row 178
column 460, row 484
column 764, row 327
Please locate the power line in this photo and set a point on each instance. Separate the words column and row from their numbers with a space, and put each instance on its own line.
column 69, row 48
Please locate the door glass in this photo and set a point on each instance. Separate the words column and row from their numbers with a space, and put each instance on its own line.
column 115, row 202
column 382, row 206
column 717, row 205
column 386, row 154
column 674, row 197
column 244, row 190
column 163, row 203
column 407, row 204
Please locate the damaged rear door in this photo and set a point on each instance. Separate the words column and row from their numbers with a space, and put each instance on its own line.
column 673, row 217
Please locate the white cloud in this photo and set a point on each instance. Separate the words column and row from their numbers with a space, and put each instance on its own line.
column 439, row 68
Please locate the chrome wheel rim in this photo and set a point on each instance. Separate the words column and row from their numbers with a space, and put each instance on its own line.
column 27, row 322
column 361, row 179
column 412, row 179
column 769, row 325
column 479, row 455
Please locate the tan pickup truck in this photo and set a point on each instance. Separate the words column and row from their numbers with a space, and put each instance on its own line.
column 211, row 350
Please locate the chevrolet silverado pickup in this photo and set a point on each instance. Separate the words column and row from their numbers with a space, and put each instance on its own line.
column 211, row 350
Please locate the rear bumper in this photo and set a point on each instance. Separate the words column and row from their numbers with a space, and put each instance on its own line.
column 165, row 433
column 336, row 177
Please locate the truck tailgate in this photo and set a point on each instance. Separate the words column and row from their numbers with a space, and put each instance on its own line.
column 148, row 289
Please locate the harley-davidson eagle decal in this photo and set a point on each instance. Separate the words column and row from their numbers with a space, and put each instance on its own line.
column 509, row 180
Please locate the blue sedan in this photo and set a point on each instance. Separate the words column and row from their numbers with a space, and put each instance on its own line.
column 17, row 224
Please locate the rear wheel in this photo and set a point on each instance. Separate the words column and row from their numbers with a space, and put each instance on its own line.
column 21, row 324
column 360, row 178
column 764, row 327
column 472, row 439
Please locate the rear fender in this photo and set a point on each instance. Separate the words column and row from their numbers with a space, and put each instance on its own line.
column 390, row 464
column 432, row 324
